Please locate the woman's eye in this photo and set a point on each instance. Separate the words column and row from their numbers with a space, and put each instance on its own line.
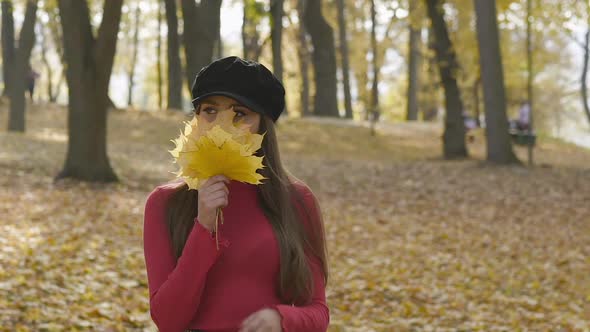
column 210, row 110
column 239, row 114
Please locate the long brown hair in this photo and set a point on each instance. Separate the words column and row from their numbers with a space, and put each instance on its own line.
column 281, row 203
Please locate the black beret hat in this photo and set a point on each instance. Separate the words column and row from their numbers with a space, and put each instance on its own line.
column 248, row 82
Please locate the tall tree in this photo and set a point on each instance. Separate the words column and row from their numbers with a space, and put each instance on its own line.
column 89, row 65
column 159, row 57
column 499, row 147
column 7, row 43
column 374, row 65
column 303, row 55
column 454, row 135
column 359, row 62
column 414, row 56
column 174, row 64
column 253, row 12
column 530, row 73
column 362, row 66
column 57, row 40
column 218, row 46
column 276, row 32
column 48, row 67
column 584, row 78
column 133, row 63
column 477, row 112
column 324, row 59
column 201, row 30
column 345, row 58
column 431, row 82
column 20, row 71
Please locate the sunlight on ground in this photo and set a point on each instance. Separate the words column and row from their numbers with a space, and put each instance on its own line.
column 49, row 135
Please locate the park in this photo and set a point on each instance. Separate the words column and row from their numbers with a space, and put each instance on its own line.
column 454, row 193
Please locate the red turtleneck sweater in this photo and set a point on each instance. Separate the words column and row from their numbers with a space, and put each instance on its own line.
column 215, row 290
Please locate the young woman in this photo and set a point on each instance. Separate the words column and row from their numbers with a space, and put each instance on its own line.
column 270, row 271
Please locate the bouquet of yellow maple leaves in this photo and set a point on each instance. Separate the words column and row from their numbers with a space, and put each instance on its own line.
column 220, row 147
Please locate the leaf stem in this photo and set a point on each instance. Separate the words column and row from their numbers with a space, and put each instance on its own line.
column 216, row 232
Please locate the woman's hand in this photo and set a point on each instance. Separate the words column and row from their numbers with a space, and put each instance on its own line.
column 212, row 195
column 265, row 320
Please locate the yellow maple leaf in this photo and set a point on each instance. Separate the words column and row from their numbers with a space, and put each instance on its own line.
column 206, row 149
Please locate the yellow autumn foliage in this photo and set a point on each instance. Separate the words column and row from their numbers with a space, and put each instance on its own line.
column 206, row 149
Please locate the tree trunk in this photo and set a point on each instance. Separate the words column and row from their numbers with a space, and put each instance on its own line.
column 159, row 58
column 324, row 59
column 174, row 64
column 218, row 54
column 454, row 135
column 57, row 91
column 7, row 44
column 246, row 49
column 413, row 64
column 585, row 75
column 344, row 55
column 89, row 67
column 375, row 65
column 201, row 30
column 20, row 72
column 251, row 45
column 584, row 79
column 430, row 87
column 499, row 147
column 45, row 61
column 276, row 32
column 56, row 35
column 530, row 75
column 476, row 102
column 246, row 41
column 134, row 56
column 303, row 53
column 362, row 82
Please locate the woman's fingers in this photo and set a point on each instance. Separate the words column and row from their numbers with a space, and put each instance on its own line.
column 217, row 194
column 213, row 203
column 216, row 179
column 247, row 321
column 220, row 186
column 213, row 187
column 215, row 184
column 215, row 200
column 250, row 324
column 212, row 195
column 222, row 192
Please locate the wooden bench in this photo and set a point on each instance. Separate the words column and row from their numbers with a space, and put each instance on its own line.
column 522, row 137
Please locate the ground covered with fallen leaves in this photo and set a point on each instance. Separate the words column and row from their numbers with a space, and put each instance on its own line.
column 416, row 243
